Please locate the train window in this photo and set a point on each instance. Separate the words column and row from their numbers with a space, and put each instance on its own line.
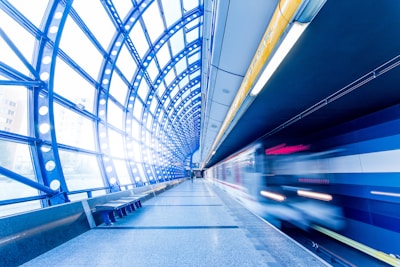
column 249, row 164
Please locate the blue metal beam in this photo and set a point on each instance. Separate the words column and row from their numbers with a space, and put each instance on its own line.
column 13, row 74
column 21, row 83
column 20, row 200
column 27, row 181
column 8, row 136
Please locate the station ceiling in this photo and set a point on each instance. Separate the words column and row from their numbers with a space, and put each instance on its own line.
column 343, row 66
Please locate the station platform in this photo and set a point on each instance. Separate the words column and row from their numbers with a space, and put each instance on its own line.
column 192, row 224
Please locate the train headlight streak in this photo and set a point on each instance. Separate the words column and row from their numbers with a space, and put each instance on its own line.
column 390, row 194
column 315, row 195
column 273, row 196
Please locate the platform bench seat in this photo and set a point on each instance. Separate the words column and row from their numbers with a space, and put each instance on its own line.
column 120, row 206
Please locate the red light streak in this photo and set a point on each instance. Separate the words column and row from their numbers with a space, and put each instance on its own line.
column 282, row 149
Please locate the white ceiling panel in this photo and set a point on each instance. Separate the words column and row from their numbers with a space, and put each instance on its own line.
column 218, row 112
column 245, row 25
column 226, row 86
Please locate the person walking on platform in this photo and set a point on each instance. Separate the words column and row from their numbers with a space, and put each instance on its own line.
column 191, row 176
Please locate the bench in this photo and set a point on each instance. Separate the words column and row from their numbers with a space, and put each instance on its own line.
column 119, row 206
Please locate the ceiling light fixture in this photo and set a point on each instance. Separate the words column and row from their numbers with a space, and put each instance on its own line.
column 305, row 15
column 291, row 38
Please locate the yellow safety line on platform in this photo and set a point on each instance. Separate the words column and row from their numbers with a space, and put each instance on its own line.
column 361, row 247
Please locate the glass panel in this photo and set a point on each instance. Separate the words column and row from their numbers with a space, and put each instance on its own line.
column 192, row 59
column 20, row 38
column 83, row 52
column 168, row 126
column 192, row 35
column 76, row 197
column 141, row 174
column 19, row 207
column 184, row 82
column 13, row 109
column 166, row 103
column 122, row 7
column 69, row 84
column 176, row 104
column 115, row 115
column 174, row 92
column 161, row 90
column 153, row 21
column 81, row 171
column 149, row 122
column 149, row 173
column 116, row 144
column 194, row 24
column 98, row 193
column 172, row 11
column 160, row 117
column 118, row 88
column 163, row 56
column 135, row 129
column 143, row 90
column 86, row 10
column 195, row 87
column 17, row 158
column 187, row 104
column 138, row 109
column 194, row 75
column 152, row 70
column 73, row 129
column 145, row 138
column 153, row 105
column 185, row 94
column 189, row 5
column 177, row 42
column 181, row 66
column 126, row 63
column 169, row 77
column 122, row 172
column 136, row 151
column 139, row 39
column 33, row 10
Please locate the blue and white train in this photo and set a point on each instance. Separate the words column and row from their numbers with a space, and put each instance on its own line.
column 346, row 178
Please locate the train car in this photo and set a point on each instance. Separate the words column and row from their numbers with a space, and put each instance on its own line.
column 365, row 175
column 281, row 183
column 346, row 178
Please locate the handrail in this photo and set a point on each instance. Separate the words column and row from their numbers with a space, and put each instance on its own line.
column 22, row 199
column 88, row 191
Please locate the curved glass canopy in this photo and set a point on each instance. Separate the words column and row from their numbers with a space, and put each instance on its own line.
column 96, row 96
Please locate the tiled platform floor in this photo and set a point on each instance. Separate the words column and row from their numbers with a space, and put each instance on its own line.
column 192, row 224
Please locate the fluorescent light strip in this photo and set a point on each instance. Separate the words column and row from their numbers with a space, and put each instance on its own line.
column 290, row 39
column 319, row 196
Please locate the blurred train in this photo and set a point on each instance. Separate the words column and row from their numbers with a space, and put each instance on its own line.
column 346, row 178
